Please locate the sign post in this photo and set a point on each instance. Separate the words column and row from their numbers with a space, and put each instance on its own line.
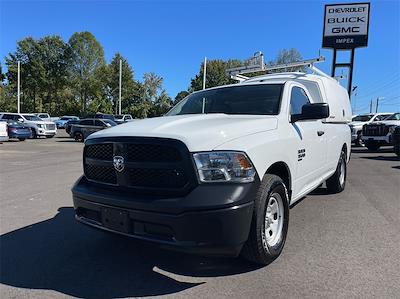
column 345, row 29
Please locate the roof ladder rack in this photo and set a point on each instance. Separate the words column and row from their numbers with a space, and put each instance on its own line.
column 256, row 64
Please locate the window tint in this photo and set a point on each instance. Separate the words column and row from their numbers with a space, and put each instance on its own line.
column 263, row 99
column 128, row 117
column 86, row 122
column 98, row 123
column 298, row 99
column 8, row 116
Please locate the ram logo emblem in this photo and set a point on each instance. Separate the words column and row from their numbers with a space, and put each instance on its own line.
column 119, row 163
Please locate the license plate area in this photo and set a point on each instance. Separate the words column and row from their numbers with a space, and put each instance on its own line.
column 115, row 219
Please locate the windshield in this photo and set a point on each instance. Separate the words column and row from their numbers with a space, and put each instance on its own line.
column 110, row 122
column 248, row 99
column 32, row 117
column 362, row 117
column 66, row 118
column 395, row 116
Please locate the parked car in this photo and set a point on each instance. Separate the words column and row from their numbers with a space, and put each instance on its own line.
column 43, row 116
column 380, row 133
column 60, row 123
column 396, row 140
column 218, row 173
column 18, row 130
column 85, row 127
column 38, row 126
column 122, row 118
column 69, row 124
column 3, row 131
column 358, row 121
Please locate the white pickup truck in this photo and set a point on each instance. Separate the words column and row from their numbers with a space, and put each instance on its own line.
column 217, row 174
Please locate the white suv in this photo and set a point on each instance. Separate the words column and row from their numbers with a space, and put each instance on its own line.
column 218, row 173
column 38, row 126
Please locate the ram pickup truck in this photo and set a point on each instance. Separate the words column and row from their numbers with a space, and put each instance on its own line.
column 217, row 174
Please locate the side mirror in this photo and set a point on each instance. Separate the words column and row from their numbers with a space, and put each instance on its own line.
column 312, row 111
column 21, row 120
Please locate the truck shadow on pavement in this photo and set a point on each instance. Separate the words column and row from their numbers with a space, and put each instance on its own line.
column 62, row 255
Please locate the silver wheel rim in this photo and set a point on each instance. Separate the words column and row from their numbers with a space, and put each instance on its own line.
column 273, row 223
column 342, row 173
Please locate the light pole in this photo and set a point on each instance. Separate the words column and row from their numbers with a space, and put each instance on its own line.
column 18, row 86
column 204, row 72
column 120, row 85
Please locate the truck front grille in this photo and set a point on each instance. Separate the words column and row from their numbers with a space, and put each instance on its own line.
column 150, row 165
column 375, row 130
column 50, row 126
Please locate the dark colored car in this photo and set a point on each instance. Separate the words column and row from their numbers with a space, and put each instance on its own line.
column 102, row 116
column 88, row 126
column 69, row 124
column 18, row 130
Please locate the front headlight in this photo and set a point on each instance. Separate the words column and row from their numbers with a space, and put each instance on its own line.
column 39, row 125
column 222, row 166
column 391, row 129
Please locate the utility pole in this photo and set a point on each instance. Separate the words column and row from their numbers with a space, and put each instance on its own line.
column 370, row 106
column 18, row 86
column 377, row 103
column 120, row 85
column 204, row 72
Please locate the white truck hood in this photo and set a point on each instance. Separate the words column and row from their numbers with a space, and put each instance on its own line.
column 200, row 132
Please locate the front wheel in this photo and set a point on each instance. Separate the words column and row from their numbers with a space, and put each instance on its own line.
column 396, row 149
column 49, row 136
column 33, row 133
column 337, row 182
column 270, row 222
column 21, row 139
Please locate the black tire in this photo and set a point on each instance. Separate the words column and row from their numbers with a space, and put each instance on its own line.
column 372, row 145
column 336, row 183
column 359, row 142
column 256, row 249
column 49, row 136
column 21, row 139
column 396, row 149
column 78, row 136
column 33, row 134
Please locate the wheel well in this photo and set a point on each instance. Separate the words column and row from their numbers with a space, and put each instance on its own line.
column 344, row 148
column 282, row 170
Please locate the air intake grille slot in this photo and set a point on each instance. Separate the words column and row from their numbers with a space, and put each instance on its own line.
column 150, row 165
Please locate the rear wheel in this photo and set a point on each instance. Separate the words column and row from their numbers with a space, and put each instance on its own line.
column 269, row 222
column 78, row 136
column 372, row 145
column 21, row 139
column 337, row 182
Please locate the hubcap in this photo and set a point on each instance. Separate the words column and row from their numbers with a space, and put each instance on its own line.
column 342, row 173
column 273, row 223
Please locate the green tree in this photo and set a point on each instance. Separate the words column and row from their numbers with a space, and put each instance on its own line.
column 215, row 74
column 287, row 56
column 161, row 105
column 180, row 96
column 86, row 60
column 129, row 88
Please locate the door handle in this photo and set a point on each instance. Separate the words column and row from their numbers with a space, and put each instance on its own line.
column 320, row 133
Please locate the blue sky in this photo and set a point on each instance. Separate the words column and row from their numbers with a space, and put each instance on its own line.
column 171, row 38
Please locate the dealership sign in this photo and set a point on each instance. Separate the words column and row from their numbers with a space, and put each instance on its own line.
column 346, row 25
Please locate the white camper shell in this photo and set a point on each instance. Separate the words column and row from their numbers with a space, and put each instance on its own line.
column 322, row 89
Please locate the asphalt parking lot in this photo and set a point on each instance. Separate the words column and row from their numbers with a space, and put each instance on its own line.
column 338, row 246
